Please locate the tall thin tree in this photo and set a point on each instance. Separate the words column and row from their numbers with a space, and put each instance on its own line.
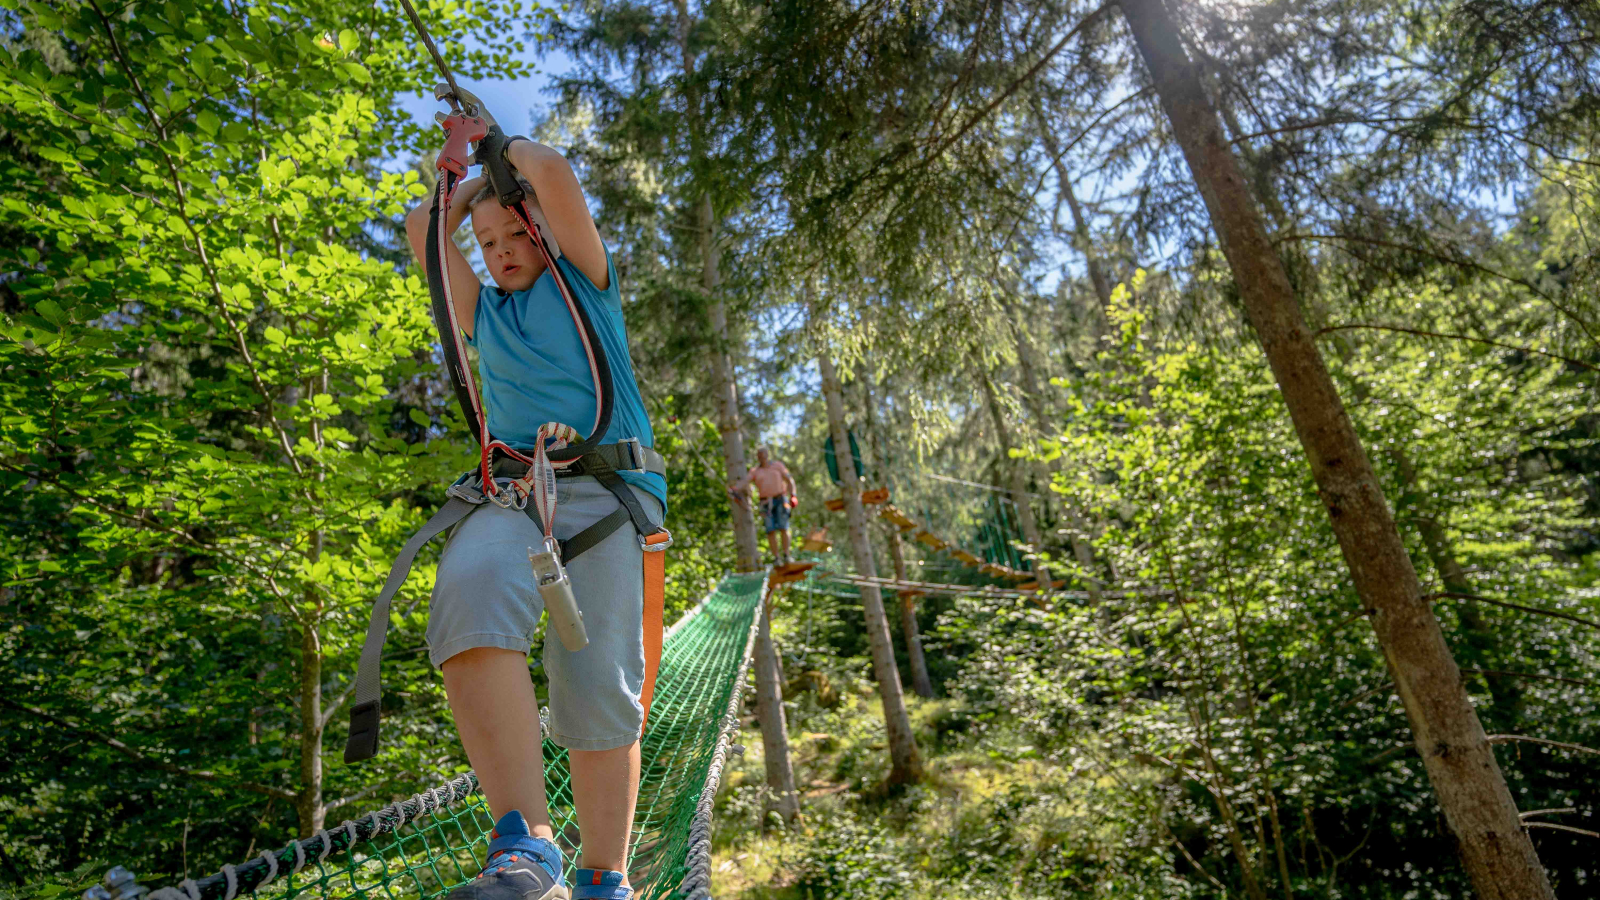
column 1455, row 751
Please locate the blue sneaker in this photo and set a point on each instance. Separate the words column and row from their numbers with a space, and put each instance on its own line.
column 600, row 884
column 520, row 866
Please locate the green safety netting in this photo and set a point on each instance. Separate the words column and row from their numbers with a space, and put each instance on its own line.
column 423, row 846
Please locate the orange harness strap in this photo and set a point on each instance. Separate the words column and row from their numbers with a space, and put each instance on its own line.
column 655, row 600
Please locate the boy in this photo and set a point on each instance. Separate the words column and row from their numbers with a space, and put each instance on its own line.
column 485, row 606
column 776, row 488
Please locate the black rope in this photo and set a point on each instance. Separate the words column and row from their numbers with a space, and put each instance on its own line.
column 427, row 41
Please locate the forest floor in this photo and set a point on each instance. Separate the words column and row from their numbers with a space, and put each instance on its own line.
column 986, row 813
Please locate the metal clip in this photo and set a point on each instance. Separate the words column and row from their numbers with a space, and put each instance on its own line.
column 658, row 546
column 566, row 620
column 462, row 490
column 507, row 497
column 119, row 884
column 635, row 455
column 469, row 102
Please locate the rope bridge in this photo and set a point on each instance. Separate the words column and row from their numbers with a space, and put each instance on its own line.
column 425, row 845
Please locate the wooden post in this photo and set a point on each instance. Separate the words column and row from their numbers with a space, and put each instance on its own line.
column 1499, row 856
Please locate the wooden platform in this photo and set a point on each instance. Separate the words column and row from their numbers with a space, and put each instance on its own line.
column 1034, row 585
column 966, row 556
column 817, row 542
column 869, row 497
column 794, row 571
column 998, row 571
column 900, row 519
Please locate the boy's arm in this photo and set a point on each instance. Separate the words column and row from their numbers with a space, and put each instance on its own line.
column 464, row 284
column 556, row 187
column 788, row 479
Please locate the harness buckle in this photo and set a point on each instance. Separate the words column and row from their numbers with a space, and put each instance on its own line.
column 635, row 455
column 658, row 546
column 461, row 490
column 566, row 619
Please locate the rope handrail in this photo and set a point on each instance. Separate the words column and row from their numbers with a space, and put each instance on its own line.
column 435, row 839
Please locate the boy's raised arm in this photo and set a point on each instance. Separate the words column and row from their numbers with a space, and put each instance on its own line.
column 464, row 284
column 565, row 208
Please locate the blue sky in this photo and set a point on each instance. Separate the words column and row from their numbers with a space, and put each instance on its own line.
column 512, row 101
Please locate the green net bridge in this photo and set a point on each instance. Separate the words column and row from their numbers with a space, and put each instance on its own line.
column 423, row 846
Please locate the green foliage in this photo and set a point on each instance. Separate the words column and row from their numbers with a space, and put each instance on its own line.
column 217, row 423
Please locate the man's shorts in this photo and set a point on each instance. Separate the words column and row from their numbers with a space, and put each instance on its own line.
column 775, row 512
column 485, row 597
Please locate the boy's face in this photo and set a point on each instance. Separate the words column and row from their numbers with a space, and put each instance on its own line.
column 513, row 262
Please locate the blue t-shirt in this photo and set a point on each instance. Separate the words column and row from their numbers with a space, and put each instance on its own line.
column 533, row 368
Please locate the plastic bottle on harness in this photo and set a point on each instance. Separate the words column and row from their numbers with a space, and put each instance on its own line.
column 559, row 452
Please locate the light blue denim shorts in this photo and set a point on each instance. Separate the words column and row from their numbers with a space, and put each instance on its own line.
column 485, row 597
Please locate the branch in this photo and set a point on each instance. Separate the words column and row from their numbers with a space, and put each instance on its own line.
column 1027, row 76
column 365, row 792
column 1540, row 812
column 1495, row 673
column 1319, row 123
column 1454, row 595
column 1553, row 825
column 1508, row 738
column 136, row 756
column 327, row 714
column 1459, row 337
column 1453, row 260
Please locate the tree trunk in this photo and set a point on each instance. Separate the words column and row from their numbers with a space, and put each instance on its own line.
column 1460, row 764
column 1477, row 636
column 920, row 683
column 781, row 795
column 1080, row 227
column 1018, row 485
column 747, row 546
column 308, row 804
column 1077, row 530
column 905, row 762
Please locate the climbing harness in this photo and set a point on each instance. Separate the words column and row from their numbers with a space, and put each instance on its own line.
column 559, row 452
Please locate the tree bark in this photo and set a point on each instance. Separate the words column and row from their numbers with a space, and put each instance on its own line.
column 1018, row 485
column 729, row 420
column 904, row 760
column 309, row 808
column 781, row 795
column 920, row 683
column 1080, row 226
column 1460, row 763
column 1077, row 531
column 1478, row 637
column 747, row 547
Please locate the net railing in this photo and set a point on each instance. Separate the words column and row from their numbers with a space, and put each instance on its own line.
column 426, row 844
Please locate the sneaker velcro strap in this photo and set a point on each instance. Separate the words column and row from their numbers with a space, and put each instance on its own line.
column 599, row 884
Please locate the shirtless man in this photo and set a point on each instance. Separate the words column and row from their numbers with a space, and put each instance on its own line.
column 775, row 486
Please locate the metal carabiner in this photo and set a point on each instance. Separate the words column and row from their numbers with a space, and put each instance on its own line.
column 513, row 499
